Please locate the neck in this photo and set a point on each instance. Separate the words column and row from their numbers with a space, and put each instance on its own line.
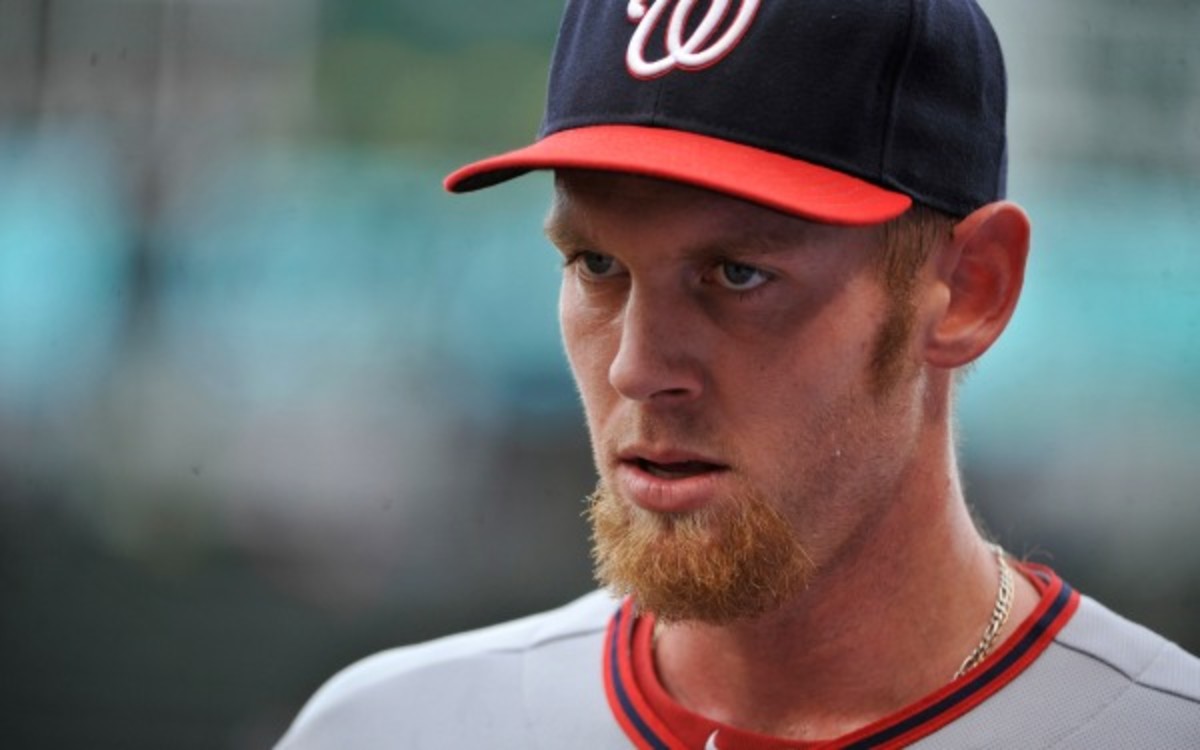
column 886, row 621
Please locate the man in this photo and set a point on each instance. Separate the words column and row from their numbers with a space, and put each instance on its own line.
column 784, row 232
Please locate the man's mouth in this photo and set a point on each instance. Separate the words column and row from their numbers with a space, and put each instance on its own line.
column 667, row 480
column 676, row 470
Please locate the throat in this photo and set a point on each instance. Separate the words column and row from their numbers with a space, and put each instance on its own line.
column 770, row 666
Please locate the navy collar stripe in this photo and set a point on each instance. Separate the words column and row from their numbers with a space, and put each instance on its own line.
column 622, row 695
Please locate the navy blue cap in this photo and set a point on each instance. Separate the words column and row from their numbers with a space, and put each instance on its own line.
column 842, row 111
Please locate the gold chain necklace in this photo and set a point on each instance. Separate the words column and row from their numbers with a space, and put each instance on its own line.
column 1000, row 612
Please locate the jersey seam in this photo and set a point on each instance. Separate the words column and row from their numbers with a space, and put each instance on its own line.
column 526, row 714
column 1083, row 723
column 1132, row 679
column 1131, row 682
column 524, row 651
column 553, row 639
column 509, row 649
column 457, row 658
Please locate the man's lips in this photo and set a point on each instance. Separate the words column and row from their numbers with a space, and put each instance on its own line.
column 670, row 464
column 675, row 469
column 668, row 481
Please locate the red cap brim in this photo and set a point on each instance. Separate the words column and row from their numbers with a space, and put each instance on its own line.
column 764, row 177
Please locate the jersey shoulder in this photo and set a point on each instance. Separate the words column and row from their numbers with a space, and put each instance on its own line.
column 1103, row 683
column 1141, row 657
column 475, row 687
column 1144, row 689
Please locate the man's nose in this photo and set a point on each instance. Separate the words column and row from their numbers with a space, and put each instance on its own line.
column 658, row 355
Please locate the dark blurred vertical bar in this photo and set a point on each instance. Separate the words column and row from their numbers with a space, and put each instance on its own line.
column 23, row 42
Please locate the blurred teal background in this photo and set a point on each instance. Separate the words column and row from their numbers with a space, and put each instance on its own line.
column 270, row 400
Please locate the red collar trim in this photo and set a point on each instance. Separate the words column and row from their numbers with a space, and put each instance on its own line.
column 655, row 722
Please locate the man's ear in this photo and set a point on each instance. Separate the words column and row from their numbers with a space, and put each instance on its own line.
column 979, row 276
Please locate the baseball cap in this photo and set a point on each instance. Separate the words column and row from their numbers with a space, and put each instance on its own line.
column 839, row 111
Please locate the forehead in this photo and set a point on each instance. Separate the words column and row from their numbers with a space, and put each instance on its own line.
column 589, row 203
column 635, row 195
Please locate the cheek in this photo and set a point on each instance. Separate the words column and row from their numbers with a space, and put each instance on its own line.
column 791, row 392
column 587, row 342
column 800, row 369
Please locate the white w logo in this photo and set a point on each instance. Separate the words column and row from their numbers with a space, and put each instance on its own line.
column 685, row 55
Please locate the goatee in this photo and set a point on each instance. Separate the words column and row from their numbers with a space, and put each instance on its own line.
column 736, row 559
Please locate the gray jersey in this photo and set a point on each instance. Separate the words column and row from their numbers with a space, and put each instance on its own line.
column 1074, row 676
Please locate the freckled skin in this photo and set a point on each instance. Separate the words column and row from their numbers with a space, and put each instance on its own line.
column 819, row 395
column 774, row 382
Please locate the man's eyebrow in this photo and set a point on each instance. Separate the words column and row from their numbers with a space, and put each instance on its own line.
column 563, row 234
column 749, row 241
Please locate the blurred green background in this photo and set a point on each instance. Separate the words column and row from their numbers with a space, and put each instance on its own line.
column 271, row 401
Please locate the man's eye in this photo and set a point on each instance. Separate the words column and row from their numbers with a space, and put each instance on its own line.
column 598, row 265
column 740, row 277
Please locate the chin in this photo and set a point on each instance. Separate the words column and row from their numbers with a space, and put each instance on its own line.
column 732, row 560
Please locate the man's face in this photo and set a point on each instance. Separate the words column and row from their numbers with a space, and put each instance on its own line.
column 728, row 360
